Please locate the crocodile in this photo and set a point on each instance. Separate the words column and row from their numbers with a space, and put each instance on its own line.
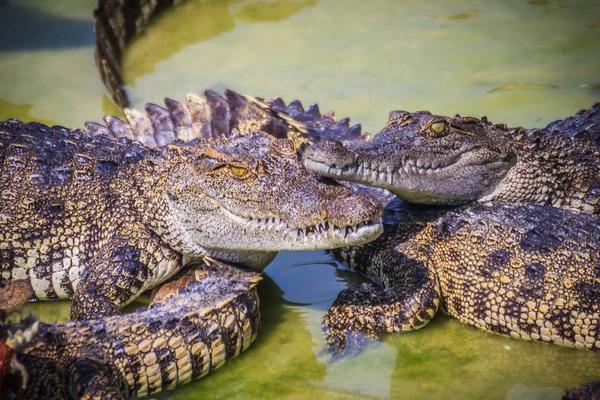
column 411, row 288
column 196, row 322
column 14, row 335
column 513, row 270
column 101, row 220
column 430, row 159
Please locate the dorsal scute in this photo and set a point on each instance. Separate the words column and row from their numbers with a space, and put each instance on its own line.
column 214, row 116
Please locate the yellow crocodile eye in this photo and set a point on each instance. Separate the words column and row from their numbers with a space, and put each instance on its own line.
column 239, row 171
column 438, row 127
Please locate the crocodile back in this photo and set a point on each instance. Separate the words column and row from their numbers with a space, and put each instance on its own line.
column 61, row 192
column 583, row 125
column 34, row 155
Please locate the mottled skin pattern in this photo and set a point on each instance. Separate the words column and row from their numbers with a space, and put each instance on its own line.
column 102, row 220
column 431, row 159
column 117, row 22
column 194, row 325
column 406, row 295
column 14, row 335
column 529, row 272
column 583, row 125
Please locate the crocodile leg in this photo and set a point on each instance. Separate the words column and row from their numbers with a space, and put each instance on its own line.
column 407, row 300
column 122, row 273
column 91, row 378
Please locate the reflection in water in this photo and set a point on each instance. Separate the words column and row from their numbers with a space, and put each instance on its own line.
column 26, row 28
column 19, row 111
column 211, row 19
column 447, row 359
column 536, row 86
column 315, row 283
column 466, row 15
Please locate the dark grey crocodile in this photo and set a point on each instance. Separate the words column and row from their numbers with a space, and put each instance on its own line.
column 433, row 159
column 102, row 220
column 194, row 325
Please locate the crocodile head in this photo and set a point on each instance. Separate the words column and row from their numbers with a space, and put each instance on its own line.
column 423, row 158
column 253, row 193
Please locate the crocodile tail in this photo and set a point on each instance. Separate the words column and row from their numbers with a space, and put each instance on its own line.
column 310, row 122
column 198, row 118
column 117, row 22
column 196, row 322
column 214, row 116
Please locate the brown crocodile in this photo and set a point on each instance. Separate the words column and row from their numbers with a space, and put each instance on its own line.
column 195, row 323
column 514, row 270
column 431, row 159
column 102, row 220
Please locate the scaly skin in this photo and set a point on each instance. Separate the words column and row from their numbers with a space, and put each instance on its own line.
column 586, row 391
column 14, row 335
column 214, row 116
column 194, row 325
column 529, row 272
column 102, row 220
column 117, row 22
column 432, row 159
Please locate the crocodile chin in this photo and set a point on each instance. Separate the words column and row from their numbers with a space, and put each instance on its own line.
column 462, row 177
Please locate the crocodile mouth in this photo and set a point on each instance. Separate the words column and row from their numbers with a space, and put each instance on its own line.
column 387, row 175
column 319, row 232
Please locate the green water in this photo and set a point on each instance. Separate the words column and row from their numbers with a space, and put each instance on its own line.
column 520, row 62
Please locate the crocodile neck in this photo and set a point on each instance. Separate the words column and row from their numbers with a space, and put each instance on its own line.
column 552, row 169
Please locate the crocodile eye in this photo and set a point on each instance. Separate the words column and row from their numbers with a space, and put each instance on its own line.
column 438, row 127
column 239, row 171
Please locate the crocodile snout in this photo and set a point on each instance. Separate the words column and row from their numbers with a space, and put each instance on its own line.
column 330, row 152
column 354, row 208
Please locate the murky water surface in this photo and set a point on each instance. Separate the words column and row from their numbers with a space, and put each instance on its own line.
column 519, row 62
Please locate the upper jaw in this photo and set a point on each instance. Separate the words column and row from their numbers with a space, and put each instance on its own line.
column 273, row 233
column 464, row 176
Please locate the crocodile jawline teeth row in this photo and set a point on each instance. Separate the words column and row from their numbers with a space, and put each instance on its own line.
column 384, row 175
column 314, row 231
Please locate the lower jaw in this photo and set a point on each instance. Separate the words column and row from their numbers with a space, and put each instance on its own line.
column 324, row 240
column 334, row 239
